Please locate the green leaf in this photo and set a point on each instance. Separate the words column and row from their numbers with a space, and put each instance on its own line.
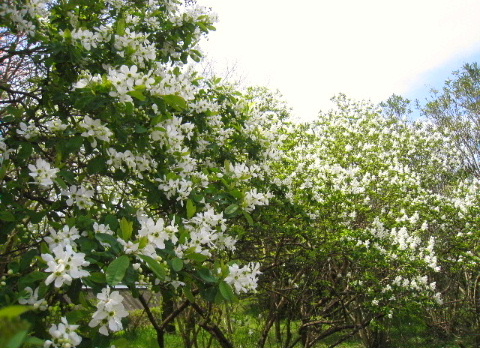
column 27, row 259
column 137, row 94
column 36, row 216
column 75, row 316
column 206, row 275
column 129, row 107
column 3, row 170
column 35, row 341
column 157, row 268
column 67, row 34
column 210, row 294
column 73, row 145
column 106, row 238
column 97, row 165
column 116, row 270
column 140, row 129
column 31, row 278
column 68, row 176
column 25, row 151
column 97, row 277
column 61, row 183
column 248, row 217
column 228, row 165
column 237, row 194
column 17, row 340
column 191, row 209
column 177, row 264
column 120, row 28
column 188, row 293
column 231, row 209
column 175, row 101
column 11, row 312
column 196, row 257
column 126, row 227
column 143, row 242
column 226, row 291
column 6, row 216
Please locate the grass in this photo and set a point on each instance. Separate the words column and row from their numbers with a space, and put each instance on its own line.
column 146, row 338
column 405, row 332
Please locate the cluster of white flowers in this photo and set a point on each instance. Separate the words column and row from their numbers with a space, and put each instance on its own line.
column 136, row 163
column 242, row 171
column 43, row 173
column 253, row 198
column 219, row 132
column 418, row 284
column 125, row 79
column 172, row 134
column 179, row 187
column 78, row 195
column 206, row 233
column 184, row 15
column 101, row 228
column 243, row 279
column 134, row 75
column 193, row 14
column 157, row 234
column 87, row 80
column 118, row 4
column 28, row 130
column 382, row 175
column 55, row 125
column 138, row 45
column 203, row 105
column 109, row 313
column 65, row 236
column 403, row 239
column 64, row 265
column 63, row 335
column 33, row 8
column 95, row 130
column 174, row 82
column 89, row 39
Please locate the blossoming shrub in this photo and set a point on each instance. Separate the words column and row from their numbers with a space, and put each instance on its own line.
column 365, row 230
column 119, row 164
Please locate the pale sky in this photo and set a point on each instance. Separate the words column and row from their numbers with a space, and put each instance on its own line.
column 369, row 49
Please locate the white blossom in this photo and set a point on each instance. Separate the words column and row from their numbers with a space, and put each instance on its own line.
column 109, row 313
column 64, row 265
column 63, row 335
column 78, row 195
column 243, row 279
column 43, row 173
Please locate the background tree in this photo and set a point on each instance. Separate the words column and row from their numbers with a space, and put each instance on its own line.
column 364, row 204
column 456, row 108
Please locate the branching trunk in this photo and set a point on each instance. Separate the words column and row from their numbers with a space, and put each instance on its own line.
column 212, row 328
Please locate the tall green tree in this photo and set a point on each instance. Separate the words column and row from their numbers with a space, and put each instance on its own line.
column 456, row 108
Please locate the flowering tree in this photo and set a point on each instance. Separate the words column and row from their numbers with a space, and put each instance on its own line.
column 365, row 228
column 120, row 165
column 455, row 108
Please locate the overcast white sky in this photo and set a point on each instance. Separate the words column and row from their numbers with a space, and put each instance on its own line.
column 369, row 49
